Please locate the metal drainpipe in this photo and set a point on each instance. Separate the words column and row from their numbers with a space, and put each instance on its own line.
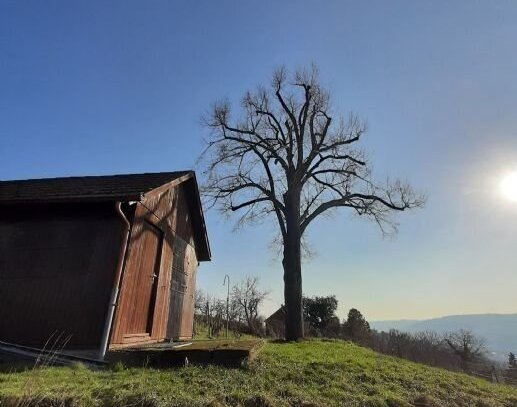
column 116, row 283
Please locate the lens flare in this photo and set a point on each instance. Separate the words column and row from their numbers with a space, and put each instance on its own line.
column 509, row 186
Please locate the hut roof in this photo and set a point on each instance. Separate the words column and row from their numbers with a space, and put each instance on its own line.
column 278, row 315
column 129, row 187
column 123, row 188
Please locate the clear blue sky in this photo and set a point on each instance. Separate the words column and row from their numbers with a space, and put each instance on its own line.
column 102, row 87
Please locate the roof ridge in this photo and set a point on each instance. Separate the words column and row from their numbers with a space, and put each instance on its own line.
column 96, row 176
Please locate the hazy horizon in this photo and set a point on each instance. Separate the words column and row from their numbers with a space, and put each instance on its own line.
column 443, row 316
column 91, row 88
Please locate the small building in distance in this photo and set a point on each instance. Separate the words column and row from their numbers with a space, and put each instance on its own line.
column 96, row 262
column 275, row 323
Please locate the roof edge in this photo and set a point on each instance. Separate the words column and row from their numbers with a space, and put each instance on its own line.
column 202, row 242
column 189, row 174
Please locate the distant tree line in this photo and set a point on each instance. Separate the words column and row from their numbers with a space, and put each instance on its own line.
column 459, row 350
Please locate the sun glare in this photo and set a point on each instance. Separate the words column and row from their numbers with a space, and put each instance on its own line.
column 509, row 186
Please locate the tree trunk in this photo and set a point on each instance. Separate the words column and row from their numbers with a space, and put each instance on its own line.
column 292, row 264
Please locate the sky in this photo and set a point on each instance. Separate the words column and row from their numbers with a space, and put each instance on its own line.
column 106, row 87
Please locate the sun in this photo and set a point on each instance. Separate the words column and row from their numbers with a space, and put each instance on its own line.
column 509, row 186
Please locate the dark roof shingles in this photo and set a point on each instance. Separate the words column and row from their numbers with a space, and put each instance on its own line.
column 108, row 187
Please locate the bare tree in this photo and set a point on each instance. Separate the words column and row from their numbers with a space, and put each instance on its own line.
column 200, row 300
column 248, row 297
column 287, row 156
column 465, row 345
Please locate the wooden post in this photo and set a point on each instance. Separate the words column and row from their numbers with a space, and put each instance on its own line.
column 226, row 276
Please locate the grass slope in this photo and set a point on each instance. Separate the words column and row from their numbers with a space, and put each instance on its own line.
column 311, row 373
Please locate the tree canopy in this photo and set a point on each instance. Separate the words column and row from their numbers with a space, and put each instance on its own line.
column 287, row 154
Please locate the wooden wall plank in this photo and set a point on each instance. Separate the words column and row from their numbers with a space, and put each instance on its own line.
column 168, row 211
column 57, row 265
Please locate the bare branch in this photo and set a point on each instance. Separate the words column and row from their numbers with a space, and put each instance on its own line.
column 248, row 203
column 397, row 197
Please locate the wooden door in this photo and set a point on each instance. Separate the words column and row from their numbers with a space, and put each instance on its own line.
column 148, row 269
column 178, row 288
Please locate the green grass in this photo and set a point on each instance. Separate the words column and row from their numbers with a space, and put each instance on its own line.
column 311, row 373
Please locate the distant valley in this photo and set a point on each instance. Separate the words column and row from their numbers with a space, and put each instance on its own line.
column 499, row 330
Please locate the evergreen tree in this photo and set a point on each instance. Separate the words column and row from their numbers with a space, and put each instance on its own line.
column 356, row 327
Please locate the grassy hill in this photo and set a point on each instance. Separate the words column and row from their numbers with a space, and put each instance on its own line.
column 309, row 374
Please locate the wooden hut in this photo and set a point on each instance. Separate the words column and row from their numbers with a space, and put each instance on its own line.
column 95, row 262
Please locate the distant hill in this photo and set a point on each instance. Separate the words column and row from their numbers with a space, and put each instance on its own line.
column 499, row 330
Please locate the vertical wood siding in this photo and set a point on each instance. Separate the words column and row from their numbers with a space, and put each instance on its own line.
column 57, row 266
column 172, row 315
